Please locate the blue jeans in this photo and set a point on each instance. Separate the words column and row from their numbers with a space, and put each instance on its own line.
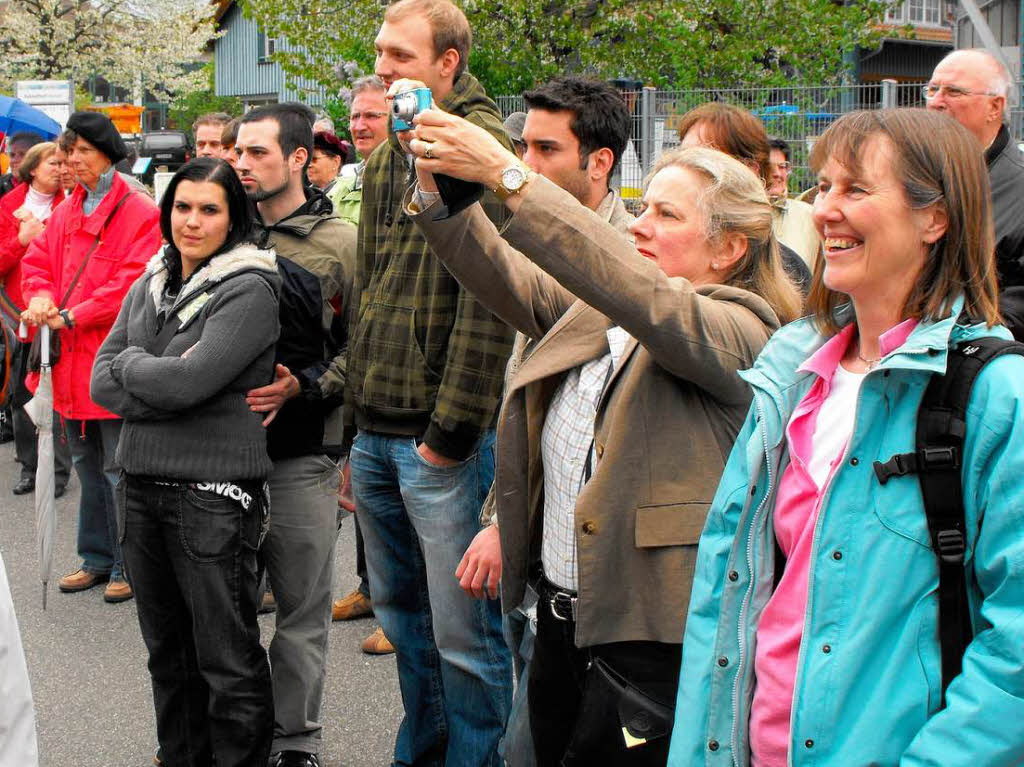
column 93, row 445
column 192, row 556
column 454, row 667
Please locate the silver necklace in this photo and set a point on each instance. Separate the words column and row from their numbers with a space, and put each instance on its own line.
column 870, row 363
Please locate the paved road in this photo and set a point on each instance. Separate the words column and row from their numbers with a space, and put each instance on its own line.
column 88, row 664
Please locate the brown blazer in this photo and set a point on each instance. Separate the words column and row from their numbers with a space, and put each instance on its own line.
column 664, row 426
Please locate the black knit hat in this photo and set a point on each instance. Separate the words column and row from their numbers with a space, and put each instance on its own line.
column 98, row 130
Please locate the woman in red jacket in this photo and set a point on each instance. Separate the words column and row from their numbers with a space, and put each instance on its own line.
column 75, row 275
column 24, row 212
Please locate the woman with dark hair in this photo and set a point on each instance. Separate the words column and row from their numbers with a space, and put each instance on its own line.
column 814, row 625
column 195, row 333
column 329, row 154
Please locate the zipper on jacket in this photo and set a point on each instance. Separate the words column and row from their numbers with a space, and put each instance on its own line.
column 750, row 585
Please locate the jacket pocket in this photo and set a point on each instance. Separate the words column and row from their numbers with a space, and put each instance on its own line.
column 673, row 524
column 397, row 374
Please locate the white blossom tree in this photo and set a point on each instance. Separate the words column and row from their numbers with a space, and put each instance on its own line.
column 153, row 45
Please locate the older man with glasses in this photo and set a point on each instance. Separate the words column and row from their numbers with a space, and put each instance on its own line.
column 972, row 87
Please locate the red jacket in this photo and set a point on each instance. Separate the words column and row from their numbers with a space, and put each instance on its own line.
column 48, row 267
column 11, row 250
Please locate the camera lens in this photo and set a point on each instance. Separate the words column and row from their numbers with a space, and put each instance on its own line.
column 404, row 106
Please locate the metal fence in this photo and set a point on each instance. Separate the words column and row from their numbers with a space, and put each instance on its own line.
column 796, row 114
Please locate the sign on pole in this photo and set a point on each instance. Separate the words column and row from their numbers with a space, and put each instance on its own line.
column 54, row 97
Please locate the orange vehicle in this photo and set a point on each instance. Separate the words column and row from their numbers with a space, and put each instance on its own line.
column 126, row 117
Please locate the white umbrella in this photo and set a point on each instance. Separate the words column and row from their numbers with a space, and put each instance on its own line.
column 40, row 410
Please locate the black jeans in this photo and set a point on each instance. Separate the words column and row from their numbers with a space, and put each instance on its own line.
column 572, row 715
column 192, row 556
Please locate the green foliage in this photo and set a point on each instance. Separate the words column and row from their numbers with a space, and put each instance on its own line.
column 666, row 43
column 337, row 109
column 185, row 110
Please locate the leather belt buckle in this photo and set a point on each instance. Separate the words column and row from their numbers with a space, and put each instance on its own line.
column 563, row 606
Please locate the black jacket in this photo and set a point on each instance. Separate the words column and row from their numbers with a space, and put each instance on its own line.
column 316, row 260
column 1006, row 173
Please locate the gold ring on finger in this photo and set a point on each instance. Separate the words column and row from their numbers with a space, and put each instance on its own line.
column 429, row 153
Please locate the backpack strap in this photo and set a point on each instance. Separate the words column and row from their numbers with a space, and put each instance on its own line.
column 937, row 461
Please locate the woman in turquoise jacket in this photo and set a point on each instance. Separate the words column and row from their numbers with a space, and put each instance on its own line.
column 833, row 657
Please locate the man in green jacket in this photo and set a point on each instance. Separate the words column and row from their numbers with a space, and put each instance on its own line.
column 424, row 384
column 368, row 124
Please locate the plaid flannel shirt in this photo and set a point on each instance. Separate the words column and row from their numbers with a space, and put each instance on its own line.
column 425, row 358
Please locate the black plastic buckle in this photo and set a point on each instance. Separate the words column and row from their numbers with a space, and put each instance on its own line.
column 939, row 458
column 926, row 459
column 951, row 546
column 563, row 606
column 897, row 466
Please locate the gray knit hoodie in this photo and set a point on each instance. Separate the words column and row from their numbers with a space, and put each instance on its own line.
column 185, row 417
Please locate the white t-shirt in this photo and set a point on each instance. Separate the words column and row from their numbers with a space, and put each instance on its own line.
column 834, row 425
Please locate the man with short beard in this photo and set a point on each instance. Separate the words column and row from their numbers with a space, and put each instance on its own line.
column 315, row 256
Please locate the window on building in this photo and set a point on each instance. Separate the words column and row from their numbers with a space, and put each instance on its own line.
column 921, row 12
column 1009, row 23
column 265, row 46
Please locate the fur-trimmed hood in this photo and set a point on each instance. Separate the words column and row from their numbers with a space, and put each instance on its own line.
column 239, row 260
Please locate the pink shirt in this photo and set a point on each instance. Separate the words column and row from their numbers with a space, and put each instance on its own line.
column 798, row 501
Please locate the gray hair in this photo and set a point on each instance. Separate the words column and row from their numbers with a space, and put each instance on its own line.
column 323, row 123
column 734, row 200
column 1000, row 81
column 367, row 83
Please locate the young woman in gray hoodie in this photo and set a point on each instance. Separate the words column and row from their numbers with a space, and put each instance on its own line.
column 194, row 334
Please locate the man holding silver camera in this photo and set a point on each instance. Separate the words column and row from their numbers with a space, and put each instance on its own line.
column 424, row 385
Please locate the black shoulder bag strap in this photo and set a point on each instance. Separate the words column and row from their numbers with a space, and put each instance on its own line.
column 95, row 244
column 937, row 461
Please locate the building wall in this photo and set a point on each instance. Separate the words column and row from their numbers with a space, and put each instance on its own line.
column 240, row 71
column 1003, row 17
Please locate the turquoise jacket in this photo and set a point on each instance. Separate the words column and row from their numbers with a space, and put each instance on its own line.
column 868, row 685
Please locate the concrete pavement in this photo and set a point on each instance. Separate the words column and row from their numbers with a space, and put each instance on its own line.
column 87, row 661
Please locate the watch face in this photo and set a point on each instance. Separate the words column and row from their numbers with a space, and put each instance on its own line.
column 513, row 178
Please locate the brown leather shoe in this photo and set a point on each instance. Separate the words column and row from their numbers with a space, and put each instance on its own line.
column 268, row 604
column 117, row 591
column 80, row 580
column 353, row 606
column 377, row 643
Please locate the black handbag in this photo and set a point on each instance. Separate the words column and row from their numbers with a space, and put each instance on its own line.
column 617, row 717
column 35, row 353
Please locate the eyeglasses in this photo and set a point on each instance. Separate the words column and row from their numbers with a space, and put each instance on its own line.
column 786, row 165
column 931, row 90
column 366, row 116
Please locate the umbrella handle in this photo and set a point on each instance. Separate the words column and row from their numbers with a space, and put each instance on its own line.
column 44, row 346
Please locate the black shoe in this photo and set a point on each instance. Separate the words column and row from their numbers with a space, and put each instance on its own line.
column 59, row 490
column 25, row 486
column 296, row 759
